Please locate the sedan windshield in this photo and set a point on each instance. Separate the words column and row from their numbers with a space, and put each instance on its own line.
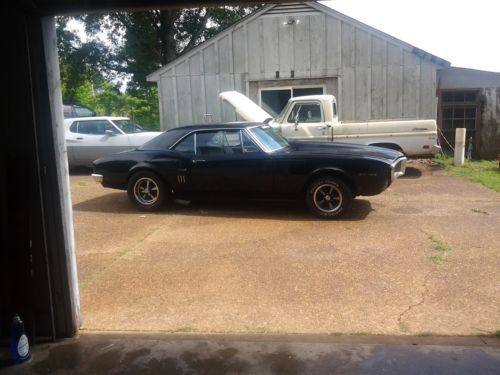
column 268, row 138
column 128, row 126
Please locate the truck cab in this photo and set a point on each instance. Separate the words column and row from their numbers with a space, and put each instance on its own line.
column 308, row 117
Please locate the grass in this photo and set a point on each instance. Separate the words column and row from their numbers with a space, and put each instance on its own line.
column 442, row 249
column 485, row 172
column 403, row 327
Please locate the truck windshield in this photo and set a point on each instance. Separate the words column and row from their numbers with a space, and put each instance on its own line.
column 281, row 116
column 268, row 138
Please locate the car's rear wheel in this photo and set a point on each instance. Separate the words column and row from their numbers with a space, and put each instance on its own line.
column 147, row 191
column 328, row 197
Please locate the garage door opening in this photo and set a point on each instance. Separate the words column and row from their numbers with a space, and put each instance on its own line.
column 271, row 268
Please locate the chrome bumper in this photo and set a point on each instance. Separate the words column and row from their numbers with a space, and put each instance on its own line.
column 436, row 149
column 398, row 168
column 97, row 177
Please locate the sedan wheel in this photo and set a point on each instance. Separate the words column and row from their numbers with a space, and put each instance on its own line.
column 147, row 191
column 328, row 197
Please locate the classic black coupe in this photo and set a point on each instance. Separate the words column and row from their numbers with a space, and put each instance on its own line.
column 252, row 160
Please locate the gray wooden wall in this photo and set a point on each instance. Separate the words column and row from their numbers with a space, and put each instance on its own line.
column 378, row 76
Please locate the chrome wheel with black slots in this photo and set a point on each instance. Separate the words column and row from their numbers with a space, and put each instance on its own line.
column 328, row 197
column 146, row 190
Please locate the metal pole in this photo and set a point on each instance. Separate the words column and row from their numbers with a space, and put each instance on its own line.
column 459, row 147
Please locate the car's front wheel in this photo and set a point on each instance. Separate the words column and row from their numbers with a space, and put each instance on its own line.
column 147, row 191
column 328, row 197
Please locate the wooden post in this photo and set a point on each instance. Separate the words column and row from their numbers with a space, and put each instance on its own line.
column 459, row 147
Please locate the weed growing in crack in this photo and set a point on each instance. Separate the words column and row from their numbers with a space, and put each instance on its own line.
column 442, row 248
column 403, row 327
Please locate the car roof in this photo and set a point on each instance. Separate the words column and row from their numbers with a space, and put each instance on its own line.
column 235, row 125
column 73, row 119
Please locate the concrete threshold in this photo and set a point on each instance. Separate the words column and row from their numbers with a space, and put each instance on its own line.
column 165, row 353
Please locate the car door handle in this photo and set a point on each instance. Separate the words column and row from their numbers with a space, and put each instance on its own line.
column 198, row 161
column 79, row 138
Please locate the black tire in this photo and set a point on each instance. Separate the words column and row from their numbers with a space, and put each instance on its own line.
column 328, row 197
column 147, row 191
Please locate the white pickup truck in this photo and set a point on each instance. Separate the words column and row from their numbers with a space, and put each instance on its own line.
column 315, row 118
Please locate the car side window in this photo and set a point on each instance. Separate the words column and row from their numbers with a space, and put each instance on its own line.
column 74, row 127
column 95, row 127
column 248, row 145
column 232, row 142
column 308, row 112
column 186, row 146
column 210, row 143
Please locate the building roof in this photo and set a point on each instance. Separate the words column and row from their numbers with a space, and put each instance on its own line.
column 301, row 8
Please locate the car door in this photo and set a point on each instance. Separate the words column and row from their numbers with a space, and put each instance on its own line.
column 227, row 161
column 305, row 121
column 97, row 138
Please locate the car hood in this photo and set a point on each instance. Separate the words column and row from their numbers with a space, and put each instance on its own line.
column 244, row 107
column 344, row 149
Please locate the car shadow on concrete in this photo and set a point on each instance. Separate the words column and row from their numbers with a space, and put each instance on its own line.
column 117, row 202
column 252, row 209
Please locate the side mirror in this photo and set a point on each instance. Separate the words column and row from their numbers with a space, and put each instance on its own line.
column 109, row 132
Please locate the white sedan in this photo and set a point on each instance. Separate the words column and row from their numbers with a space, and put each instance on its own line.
column 89, row 138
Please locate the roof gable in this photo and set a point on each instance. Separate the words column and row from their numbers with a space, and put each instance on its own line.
column 297, row 9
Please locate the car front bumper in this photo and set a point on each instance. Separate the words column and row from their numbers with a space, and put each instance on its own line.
column 398, row 168
column 97, row 177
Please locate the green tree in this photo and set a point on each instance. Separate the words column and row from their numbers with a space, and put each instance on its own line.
column 142, row 42
column 128, row 46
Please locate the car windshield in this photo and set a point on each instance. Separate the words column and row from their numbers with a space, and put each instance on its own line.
column 128, row 126
column 268, row 138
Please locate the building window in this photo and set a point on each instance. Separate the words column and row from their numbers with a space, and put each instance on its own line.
column 273, row 100
column 459, row 109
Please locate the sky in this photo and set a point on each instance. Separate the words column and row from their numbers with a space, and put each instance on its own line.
column 465, row 33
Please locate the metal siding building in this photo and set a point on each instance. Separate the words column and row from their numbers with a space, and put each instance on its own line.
column 295, row 49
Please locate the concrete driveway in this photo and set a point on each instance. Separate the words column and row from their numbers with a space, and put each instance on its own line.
column 421, row 258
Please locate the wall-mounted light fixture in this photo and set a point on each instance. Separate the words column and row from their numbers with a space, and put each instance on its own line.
column 291, row 21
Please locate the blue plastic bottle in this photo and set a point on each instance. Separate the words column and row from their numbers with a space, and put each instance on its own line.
column 19, row 345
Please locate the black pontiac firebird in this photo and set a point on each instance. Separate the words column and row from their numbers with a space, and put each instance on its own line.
column 252, row 160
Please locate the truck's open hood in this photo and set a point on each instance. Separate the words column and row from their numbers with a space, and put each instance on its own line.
column 244, row 107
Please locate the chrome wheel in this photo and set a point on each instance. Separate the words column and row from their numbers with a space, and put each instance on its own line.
column 327, row 198
column 146, row 191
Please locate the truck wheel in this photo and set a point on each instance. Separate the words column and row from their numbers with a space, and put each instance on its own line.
column 147, row 191
column 328, row 197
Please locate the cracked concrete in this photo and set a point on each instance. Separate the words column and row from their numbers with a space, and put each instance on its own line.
column 272, row 268
column 402, row 325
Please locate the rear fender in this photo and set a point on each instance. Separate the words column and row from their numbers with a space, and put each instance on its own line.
column 146, row 167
